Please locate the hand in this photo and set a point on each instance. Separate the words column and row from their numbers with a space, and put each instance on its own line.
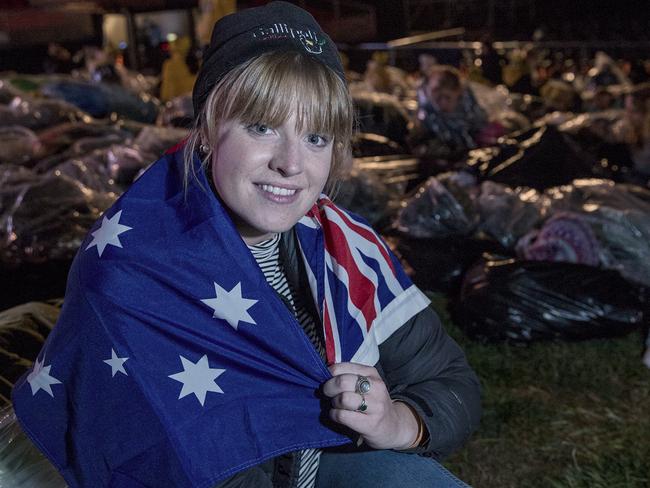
column 385, row 424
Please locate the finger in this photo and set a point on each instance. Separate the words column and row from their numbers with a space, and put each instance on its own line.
column 352, row 368
column 339, row 384
column 357, row 421
column 350, row 401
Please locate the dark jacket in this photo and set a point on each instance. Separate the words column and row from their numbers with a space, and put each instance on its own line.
column 420, row 364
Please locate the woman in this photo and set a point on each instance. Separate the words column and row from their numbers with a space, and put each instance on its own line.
column 287, row 321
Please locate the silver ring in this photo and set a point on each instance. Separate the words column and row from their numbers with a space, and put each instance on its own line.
column 363, row 406
column 363, row 385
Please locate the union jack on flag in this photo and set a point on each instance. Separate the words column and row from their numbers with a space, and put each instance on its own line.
column 174, row 362
column 364, row 294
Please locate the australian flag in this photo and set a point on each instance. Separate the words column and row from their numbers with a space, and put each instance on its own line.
column 174, row 363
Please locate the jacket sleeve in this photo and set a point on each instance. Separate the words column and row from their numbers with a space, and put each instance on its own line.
column 425, row 368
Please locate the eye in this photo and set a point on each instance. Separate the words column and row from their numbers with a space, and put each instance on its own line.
column 317, row 140
column 259, row 128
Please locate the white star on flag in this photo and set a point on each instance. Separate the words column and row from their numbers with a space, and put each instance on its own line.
column 108, row 233
column 231, row 306
column 197, row 378
column 116, row 364
column 40, row 379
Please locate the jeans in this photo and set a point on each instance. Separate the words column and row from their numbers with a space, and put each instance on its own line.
column 385, row 469
column 376, row 469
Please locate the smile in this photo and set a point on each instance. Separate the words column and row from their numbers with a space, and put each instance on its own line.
column 276, row 190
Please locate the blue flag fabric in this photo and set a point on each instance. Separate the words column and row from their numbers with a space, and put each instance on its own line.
column 174, row 363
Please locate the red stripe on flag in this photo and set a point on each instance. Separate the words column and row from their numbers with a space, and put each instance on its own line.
column 360, row 288
column 365, row 233
column 314, row 213
column 330, row 353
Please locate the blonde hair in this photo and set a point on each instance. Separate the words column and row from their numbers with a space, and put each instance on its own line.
column 267, row 89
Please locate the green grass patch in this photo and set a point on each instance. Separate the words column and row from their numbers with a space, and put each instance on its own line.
column 557, row 414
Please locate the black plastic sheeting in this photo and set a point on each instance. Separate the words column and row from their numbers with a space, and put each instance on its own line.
column 538, row 158
column 525, row 301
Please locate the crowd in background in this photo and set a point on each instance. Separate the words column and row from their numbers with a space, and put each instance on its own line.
column 448, row 121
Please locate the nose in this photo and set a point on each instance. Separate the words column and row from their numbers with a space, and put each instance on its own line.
column 288, row 158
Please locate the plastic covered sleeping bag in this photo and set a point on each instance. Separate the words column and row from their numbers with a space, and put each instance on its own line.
column 47, row 217
column 90, row 171
column 375, row 186
column 104, row 157
column 38, row 114
column 66, row 141
column 619, row 217
column 441, row 207
column 453, row 204
column 18, row 145
column 102, row 99
column 437, row 227
column 565, row 237
column 525, row 301
column 105, row 169
column 507, row 214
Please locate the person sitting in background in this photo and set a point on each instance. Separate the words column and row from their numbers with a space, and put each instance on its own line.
column 177, row 78
column 449, row 118
column 376, row 77
column 59, row 59
column 425, row 63
column 519, row 74
column 558, row 96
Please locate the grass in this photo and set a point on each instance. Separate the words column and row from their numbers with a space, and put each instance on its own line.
column 573, row 415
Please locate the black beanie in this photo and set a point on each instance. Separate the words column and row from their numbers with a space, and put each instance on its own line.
column 277, row 26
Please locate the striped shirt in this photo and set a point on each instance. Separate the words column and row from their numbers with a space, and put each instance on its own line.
column 267, row 256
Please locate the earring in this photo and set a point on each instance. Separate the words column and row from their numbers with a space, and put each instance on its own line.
column 204, row 148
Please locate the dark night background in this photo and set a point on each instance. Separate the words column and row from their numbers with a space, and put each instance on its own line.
column 620, row 28
column 517, row 19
